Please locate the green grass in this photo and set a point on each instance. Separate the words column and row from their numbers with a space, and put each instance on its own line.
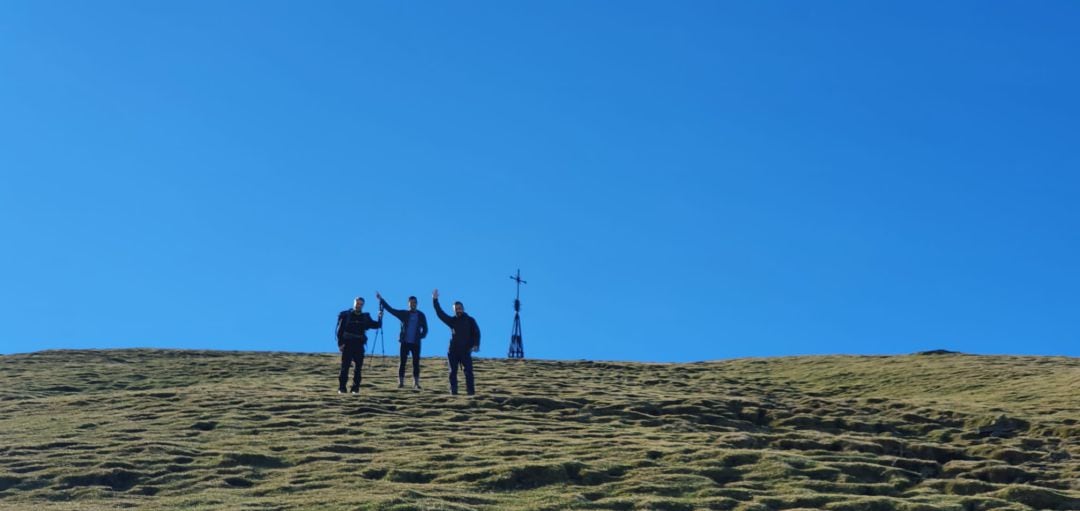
column 155, row 429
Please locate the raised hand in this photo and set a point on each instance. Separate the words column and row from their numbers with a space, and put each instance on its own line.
column 378, row 296
column 435, row 294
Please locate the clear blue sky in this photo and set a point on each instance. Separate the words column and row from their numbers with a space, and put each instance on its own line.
column 677, row 180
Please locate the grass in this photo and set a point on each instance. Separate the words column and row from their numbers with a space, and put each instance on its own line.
column 157, row 429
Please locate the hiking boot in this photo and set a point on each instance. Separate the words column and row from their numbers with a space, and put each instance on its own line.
column 416, row 384
column 340, row 391
column 400, row 382
column 355, row 392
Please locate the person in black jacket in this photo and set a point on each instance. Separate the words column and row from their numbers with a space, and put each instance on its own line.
column 352, row 327
column 413, row 329
column 464, row 340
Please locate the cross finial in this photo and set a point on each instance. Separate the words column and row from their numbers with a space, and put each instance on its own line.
column 517, row 278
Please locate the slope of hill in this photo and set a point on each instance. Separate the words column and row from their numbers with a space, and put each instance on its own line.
column 152, row 429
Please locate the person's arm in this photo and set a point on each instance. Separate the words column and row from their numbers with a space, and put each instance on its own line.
column 395, row 312
column 372, row 325
column 438, row 310
column 476, row 334
column 423, row 325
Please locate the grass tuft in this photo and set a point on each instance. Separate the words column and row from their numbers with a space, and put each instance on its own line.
column 251, row 460
column 1038, row 498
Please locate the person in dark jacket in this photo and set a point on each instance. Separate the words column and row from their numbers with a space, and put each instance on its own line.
column 464, row 340
column 413, row 329
column 352, row 327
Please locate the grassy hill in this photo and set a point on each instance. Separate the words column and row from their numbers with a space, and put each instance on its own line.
column 152, row 429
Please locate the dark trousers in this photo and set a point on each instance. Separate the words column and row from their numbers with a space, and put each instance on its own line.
column 465, row 359
column 406, row 349
column 348, row 358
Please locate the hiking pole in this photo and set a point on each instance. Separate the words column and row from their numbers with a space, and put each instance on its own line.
column 382, row 338
column 378, row 334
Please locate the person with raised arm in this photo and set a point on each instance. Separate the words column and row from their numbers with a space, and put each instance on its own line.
column 464, row 341
column 413, row 329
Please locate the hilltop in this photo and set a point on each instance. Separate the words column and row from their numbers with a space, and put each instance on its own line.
column 158, row 429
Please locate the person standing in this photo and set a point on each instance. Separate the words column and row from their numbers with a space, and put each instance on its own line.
column 413, row 329
column 464, row 341
column 352, row 327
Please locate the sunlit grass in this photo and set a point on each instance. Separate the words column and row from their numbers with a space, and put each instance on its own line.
column 154, row 429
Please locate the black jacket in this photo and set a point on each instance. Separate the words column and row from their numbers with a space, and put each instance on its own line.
column 465, row 333
column 403, row 316
column 352, row 329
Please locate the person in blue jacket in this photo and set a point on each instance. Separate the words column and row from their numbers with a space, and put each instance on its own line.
column 413, row 329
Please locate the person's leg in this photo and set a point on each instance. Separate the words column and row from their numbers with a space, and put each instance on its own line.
column 402, row 355
column 343, row 375
column 359, row 357
column 453, row 372
column 415, row 348
column 466, row 361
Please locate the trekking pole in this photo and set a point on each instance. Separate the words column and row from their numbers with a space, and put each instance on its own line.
column 378, row 334
column 382, row 343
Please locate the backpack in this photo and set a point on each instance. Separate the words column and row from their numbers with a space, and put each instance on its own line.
column 338, row 328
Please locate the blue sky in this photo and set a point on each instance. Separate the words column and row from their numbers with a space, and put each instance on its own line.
column 677, row 180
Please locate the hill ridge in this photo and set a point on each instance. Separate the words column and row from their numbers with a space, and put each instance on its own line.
column 153, row 429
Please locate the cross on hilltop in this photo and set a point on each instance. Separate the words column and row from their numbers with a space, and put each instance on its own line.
column 517, row 350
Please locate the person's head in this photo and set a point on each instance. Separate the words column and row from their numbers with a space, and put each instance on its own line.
column 412, row 303
column 459, row 309
column 358, row 303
